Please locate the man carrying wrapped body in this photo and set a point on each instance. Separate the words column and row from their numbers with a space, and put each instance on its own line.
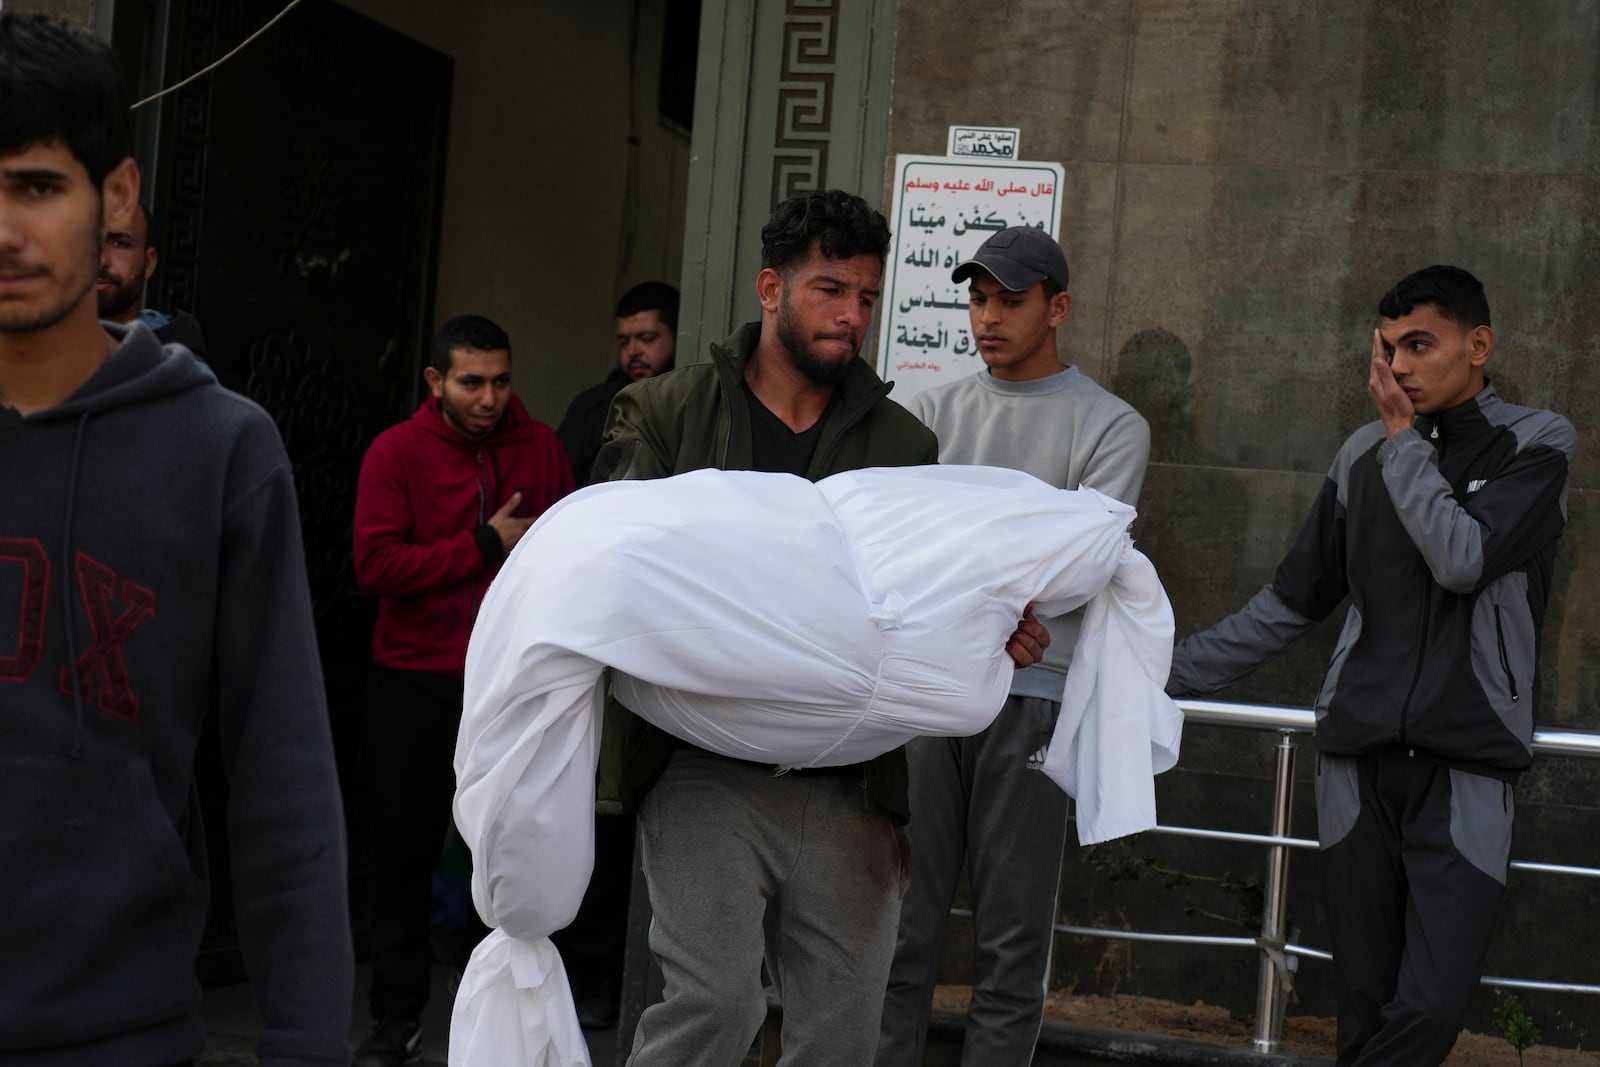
column 796, row 624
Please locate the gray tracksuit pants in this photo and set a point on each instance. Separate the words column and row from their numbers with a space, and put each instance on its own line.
column 745, row 866
column 982, row 799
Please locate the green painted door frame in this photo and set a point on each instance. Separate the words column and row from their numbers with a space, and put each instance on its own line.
column 791, row 95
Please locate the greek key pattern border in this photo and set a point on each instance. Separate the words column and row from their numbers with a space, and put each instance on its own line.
column 805, row 97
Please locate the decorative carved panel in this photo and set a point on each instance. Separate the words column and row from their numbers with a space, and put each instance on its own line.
column 805, row 97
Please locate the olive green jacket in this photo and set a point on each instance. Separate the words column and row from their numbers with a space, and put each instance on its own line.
column 694, row 418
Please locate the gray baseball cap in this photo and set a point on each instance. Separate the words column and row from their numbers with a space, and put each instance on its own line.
column 1017, row 257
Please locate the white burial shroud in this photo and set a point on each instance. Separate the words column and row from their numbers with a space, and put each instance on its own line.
column 771, row 619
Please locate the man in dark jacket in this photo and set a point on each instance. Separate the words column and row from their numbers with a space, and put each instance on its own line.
column 127, row 260
column 647, row 345
column 1439, row 521
column 802, row 870
column 150, row 571
column 441, row 500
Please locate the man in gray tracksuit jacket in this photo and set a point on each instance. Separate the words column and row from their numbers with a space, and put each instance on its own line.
column 1440, row 522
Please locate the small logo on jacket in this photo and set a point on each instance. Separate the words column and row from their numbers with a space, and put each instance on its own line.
column 1036, row 761
column 1476, row 484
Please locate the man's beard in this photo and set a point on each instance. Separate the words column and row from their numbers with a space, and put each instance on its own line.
column 791, row 335
column 76, row 289
column 120, row 299
column 459, row 420
column 639, row 369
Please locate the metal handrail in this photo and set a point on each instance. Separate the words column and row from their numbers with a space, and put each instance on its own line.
column 1566, row 743
column 1239, row 837
column 1248, row 716
column 1271, row 985
column 1579, row 743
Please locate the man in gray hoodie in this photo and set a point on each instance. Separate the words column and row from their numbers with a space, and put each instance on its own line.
column 150, row 570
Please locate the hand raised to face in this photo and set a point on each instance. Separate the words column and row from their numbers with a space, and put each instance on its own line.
column 1394, row 406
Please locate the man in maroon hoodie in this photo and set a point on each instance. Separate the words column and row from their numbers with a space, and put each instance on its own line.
column 443, row 498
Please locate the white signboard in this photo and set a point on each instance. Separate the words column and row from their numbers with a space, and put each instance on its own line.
column 985, row 142
column 943, row 210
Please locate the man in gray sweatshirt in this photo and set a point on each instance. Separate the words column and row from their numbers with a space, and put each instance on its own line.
column 984, row 797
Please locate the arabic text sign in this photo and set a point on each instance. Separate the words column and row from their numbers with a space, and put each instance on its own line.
column 943, row 210
column 985, row 142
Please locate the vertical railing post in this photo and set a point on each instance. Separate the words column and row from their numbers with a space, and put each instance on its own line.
column 1274, row 907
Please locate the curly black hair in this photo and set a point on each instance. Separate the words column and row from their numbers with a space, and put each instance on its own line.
column 842, row 224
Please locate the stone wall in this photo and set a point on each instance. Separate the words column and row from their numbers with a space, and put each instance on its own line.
column 1245, row 178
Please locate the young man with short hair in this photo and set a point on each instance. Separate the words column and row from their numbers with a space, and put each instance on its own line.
column 984, row 799
column 1439, row 521
column 442, row 499
column 151, row 570
column 802, row 871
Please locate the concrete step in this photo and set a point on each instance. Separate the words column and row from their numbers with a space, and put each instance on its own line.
column 1069, row 1045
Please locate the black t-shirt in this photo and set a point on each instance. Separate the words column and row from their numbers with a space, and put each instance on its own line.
column 775, row 447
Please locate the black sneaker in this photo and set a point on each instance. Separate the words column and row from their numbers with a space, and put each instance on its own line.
column 393, row 1042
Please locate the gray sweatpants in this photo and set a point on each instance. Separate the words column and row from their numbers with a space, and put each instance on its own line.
column 982, row 798
column 744, row 865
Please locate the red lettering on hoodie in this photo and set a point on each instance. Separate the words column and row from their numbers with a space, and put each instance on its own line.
column 102, row 672
column 29, row 554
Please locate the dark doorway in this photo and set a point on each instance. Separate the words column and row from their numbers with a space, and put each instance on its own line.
column 298, row 197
